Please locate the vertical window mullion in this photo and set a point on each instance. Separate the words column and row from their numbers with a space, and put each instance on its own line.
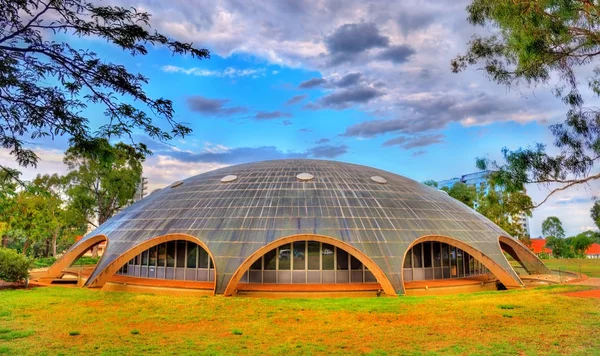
column 335, row 264
column 320, row 262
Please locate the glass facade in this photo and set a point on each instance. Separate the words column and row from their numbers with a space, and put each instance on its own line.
column 438, row 260
column 175, row 260
column 307, row 262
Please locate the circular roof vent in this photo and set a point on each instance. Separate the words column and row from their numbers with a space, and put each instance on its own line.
column 378, row 179
column 305, row 176
column 176, row 184
column 228, row 178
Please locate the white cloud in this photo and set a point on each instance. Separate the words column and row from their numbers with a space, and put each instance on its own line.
column 228, row 72
column 50, row 162
column 163, row 170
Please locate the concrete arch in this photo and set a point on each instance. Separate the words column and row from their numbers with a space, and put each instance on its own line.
column 506, row 278
column 115, row 265
column 523, row 255
column 55, row 271
column 364, row 259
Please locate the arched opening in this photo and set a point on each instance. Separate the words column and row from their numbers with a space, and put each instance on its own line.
column 174, row 257
column 178, row 260
column 309, row 263
column 78, row 250
column 524, row 256
column 475, row 262
column 434, row 260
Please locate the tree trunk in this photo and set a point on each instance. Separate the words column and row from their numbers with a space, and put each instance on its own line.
column 95, row 251
column 47, row 249
column 5, row 241
column 26, row 247
column 54, row 238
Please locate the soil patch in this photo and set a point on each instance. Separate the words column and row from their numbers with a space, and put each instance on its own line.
column 594, row 293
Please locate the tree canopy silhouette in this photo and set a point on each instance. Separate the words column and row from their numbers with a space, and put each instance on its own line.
column 46, row 81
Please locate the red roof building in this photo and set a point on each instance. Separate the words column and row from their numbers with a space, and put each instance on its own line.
column 593, row 251
column 539, row 245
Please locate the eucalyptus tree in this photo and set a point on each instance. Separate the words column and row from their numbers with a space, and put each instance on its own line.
column 530, row 43
column 47, row 78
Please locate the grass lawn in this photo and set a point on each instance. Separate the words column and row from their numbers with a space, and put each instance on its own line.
column 589, row 266
column 53, row 321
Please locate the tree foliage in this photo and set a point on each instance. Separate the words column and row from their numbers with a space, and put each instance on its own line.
column 431, row 183
column 595, row 212
column 531, row 41
column 35, row 218
column 102, row 180
column 466, row 194
column 580, row 244
column 504, row 208
column 46, row 82
column 552, row 226
column 560, row 247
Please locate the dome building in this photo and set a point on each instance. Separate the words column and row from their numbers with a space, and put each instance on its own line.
column 299, row 225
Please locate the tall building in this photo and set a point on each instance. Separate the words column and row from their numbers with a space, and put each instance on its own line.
column 480, row 181
column 142, row 189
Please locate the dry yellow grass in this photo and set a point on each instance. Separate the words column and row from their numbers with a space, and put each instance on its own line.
column 55, row 321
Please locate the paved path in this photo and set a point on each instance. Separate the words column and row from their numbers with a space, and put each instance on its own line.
column 595, row 282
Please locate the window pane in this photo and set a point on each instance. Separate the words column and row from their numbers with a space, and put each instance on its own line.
column 471, row 265
column 437, row 255
column 445, row 255
column 313, row 255
column 427, row 254
column 152, row 256
column 355, row 263
column 270, row 261
column 145, row 258
column 459, row 263
column 202, row 258
column 342, row 260
column 453, row 270
column 171, row 254
column 138, row 260
column 408, row 259
column 191, row 256
column 180, row 254
column 327, row 255
column 299, row 255
column 257, row 265
column 162, row 254
column 417, row 258
column 285, row 256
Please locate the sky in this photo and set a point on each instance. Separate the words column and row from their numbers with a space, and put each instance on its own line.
column 366, row 82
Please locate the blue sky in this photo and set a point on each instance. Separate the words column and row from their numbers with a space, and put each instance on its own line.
column 366, row 82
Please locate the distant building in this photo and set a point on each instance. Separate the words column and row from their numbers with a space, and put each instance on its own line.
column 480, row 181
column 142, row 190
column 539, row 246
column 593, row 251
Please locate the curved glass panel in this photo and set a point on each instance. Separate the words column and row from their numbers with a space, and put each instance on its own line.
column 173, row 260
column 437, row 260
column 308, row 262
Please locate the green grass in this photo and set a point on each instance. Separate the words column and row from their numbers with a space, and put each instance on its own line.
column 588, row 266
column 541, row 321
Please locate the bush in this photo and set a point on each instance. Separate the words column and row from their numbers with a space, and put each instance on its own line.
column 13, row 266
